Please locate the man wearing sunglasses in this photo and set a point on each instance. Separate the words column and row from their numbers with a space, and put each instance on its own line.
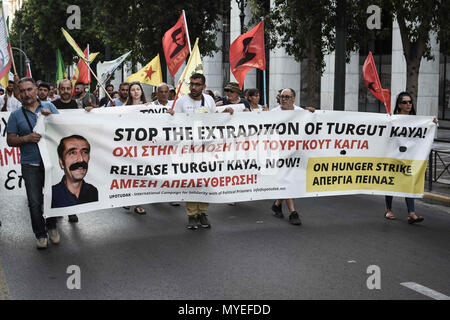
column 287, row 99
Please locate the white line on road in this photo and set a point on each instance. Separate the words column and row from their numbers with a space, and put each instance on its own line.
column 425, row 291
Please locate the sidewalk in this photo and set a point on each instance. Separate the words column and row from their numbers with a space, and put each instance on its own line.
column 440, row 192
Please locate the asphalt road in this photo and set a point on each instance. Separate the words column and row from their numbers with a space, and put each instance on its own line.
column 247, row 254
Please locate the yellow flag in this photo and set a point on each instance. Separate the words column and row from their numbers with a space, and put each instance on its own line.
column 73, row 44
column 4, row 80
column 150, row 74
column 194, row 65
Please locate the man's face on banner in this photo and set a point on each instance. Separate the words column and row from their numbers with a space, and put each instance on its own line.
column 178, row 37
column 75, row 159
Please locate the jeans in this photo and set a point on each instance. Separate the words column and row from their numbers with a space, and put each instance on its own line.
column 409, row 203
column 34, row 183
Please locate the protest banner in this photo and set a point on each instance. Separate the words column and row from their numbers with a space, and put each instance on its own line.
column 11, row 182
column 132, row 159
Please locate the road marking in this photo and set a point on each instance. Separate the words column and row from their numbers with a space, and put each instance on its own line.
column 425, row 291
column 4, row 292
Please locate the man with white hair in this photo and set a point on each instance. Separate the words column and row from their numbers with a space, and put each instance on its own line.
column 162, row 95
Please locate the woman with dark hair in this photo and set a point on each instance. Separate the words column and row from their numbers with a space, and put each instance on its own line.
column 405, row 106
column 253, row 99
column 136, row 96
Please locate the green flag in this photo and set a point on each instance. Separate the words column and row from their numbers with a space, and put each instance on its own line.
column 60, row 72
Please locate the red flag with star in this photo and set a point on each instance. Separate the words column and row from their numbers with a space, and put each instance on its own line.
column 247, row 52
column 150, row 74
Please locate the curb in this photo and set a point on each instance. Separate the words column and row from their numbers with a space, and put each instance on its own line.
column 437, row 197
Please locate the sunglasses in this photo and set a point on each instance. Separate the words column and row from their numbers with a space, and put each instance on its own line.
column 285, row 97
column 406, row 102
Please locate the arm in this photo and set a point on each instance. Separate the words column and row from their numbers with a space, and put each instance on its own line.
column 14, row 140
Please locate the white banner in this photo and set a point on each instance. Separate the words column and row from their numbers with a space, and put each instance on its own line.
column 128, row 158
column 11, row 182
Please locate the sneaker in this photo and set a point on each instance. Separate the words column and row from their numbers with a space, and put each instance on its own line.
column 192, row 222
column 42, row 243
column 294, row 218
column 277, row 211
column 174, row 204
column 204, row 223
column 54, row 236
column 73, row 218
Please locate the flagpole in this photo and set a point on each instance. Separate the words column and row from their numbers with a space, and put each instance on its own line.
column 89, row 74
column 379, row 84
column 99, row 82
column 182, row 80
column 9, row 43
column 187, row 32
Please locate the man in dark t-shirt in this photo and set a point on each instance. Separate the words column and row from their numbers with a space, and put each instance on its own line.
column 65, row 92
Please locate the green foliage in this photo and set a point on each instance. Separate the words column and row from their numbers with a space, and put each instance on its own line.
column 38, row 23
column 300, row 26
column 137, row 25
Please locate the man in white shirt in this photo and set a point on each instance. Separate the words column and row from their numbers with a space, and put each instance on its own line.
column 287, row 98
column 196, row 102
column 162, row 96
column 11, row 102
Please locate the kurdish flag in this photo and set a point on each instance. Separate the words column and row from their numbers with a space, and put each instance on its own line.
column 150, row 74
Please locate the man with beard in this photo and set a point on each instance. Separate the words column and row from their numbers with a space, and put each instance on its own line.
column 196, row 102
column 65, row 91
column 73, row 153
column 123, row 96
column 104, row 101
column 43, row 90
column 20, row 134
column 84, row 99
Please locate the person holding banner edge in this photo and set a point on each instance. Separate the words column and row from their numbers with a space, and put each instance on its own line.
column 404, row 105
column 287, row 99
column 135, row 96
column 196, row 102
column 20, row 134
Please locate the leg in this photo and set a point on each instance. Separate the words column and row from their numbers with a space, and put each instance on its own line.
column 34, row 182
column 389, row 214
column 192, row 210
column 412, row 217
column 203, row 207
column 277, row 209
column 290, row 204
column 293, row 215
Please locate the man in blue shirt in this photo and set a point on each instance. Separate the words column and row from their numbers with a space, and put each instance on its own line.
column 20, row 134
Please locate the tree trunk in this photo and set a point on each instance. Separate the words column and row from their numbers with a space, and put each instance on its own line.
column 311, row 76
column 412, row 78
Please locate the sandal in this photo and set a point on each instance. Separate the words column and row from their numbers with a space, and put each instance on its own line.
column 389, row 216
column 412, row 220
column 139, row 210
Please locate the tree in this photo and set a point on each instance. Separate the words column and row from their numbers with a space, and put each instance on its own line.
column 416, row 20
column 306, row 29
column 38, row 23
column 140, row 25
